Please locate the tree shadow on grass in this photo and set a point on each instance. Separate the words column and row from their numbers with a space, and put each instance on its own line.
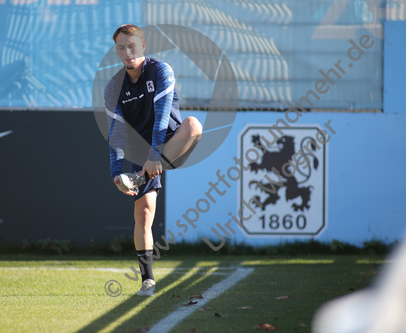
column 122, row 309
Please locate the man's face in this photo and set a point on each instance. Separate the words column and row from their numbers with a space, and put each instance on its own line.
column 130, row 49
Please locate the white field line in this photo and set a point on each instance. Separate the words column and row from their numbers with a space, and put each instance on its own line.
column 180, row 270
column 167, row 323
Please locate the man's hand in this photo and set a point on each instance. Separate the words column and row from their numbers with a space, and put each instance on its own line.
column 118, row 184
column 153, row 168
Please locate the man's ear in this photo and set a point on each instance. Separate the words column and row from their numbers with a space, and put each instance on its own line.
column 144, row 46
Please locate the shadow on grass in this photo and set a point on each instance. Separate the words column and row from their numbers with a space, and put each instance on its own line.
column 116, row 313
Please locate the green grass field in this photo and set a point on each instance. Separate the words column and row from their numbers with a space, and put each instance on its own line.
column 67, row 294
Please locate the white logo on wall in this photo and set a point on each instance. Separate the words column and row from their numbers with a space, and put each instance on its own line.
column 286, row 180
column 150, row 86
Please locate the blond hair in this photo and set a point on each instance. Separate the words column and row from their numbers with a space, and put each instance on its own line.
column 129, row 29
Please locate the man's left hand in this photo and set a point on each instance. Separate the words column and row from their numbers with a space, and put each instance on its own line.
column 153, row 168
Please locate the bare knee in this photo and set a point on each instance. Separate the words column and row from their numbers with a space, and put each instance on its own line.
column 143, row 220
column 144, row 213
column 193, row 126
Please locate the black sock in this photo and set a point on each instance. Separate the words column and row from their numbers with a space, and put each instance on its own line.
column 145, row 262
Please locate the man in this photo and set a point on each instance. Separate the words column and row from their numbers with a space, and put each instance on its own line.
column 145, row 125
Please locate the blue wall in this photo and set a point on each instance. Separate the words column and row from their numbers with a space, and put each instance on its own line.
column 366, row 187
column 394, row 96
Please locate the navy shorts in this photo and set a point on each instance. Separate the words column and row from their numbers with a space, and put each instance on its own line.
column 155, row 184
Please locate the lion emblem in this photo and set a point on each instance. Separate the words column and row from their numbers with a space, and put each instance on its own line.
column 280, row 163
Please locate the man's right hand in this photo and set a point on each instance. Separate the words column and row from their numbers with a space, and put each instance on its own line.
column 118, row 184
